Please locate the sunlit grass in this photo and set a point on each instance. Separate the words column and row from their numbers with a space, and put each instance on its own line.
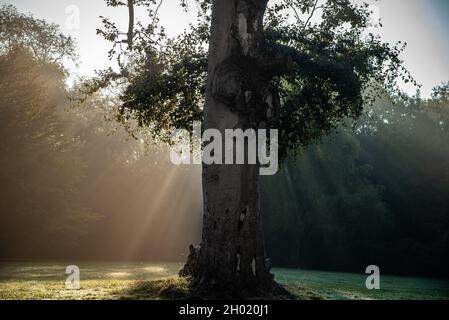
column 105, row 289
column 167, row 289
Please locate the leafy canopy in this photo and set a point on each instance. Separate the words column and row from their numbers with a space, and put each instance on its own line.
column 331, row 67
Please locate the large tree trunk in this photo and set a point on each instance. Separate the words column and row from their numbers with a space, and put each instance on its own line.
column 231, row 261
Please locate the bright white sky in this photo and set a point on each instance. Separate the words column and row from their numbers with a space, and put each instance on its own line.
column 423, row 24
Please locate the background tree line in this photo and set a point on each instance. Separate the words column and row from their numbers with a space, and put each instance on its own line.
column 376, row 192
column 73, row 183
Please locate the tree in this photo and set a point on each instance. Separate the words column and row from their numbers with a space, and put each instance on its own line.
column 375, row 195
column 265, row 67
column 39, row 168
column 44, row 40
column 330, row 216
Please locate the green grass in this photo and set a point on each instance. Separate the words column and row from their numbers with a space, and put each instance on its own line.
column 344, row 286
column 139, row 280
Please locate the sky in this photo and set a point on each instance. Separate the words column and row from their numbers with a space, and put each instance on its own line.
column 423, row 24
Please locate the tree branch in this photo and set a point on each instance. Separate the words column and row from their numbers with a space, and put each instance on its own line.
column 311, row 15
column 131, row 24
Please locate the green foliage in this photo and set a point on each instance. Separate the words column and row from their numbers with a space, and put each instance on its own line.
column 333, row 66
column 167, row 92
column 325, row 70
column 162, row 78
column 326, row 204
column 375, row 195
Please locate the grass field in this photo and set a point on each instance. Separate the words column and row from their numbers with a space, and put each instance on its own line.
column 141, row 280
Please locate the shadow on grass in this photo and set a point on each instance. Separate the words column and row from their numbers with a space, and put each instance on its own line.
column 165, row 289
column 302, row 293
column 178, row 289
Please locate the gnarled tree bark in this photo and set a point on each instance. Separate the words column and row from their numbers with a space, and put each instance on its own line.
column 231, row 261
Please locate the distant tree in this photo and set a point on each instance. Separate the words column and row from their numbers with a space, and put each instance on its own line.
column 44, row 40
column 408, row 151
column 439, row 106
column 378, row 194
column 330, row 213
column 39, row 176
column 297, row 66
